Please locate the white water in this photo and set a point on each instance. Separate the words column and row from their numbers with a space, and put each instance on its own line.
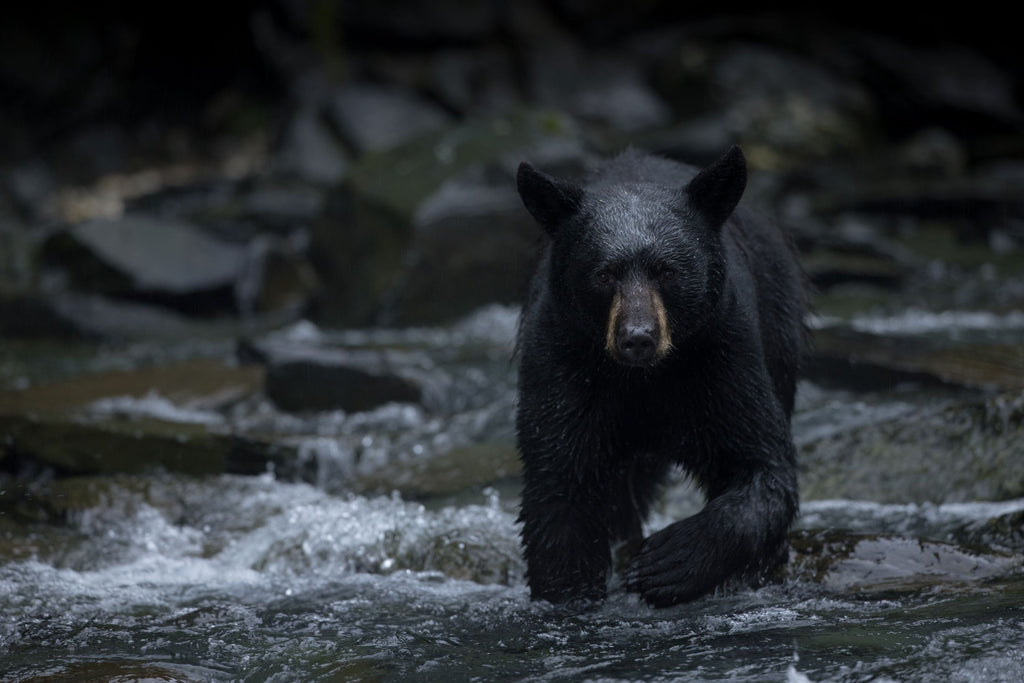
column 239, row 578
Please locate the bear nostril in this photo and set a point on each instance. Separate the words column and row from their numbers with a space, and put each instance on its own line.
column 637, row 348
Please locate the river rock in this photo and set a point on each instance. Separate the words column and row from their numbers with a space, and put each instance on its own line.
column 782, row 106
column 28, row 315
column 938, row 453
column 863, row 360
column 143, row 446
column 429, row 231
column 373, row 117
column 139, row 253
column 480, row 82
column 609, row 89
column 464, row 468
column 142, row 421
column 861, row 563
column 307, row 378
column 309, row 150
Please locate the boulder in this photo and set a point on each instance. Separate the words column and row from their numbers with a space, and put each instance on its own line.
column 601, row 88
column 373, row 117
column 784, row 107
column 309, row 150
column 428, row 231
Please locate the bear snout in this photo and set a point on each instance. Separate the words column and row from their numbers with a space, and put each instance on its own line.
column 638, row 333
column 636, row 344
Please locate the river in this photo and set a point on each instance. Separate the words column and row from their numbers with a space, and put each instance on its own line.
column 175, row 577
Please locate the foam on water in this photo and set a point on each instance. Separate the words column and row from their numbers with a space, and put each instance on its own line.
column 918, row 321
column 155, row 406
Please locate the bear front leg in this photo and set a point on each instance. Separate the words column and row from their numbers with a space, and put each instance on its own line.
column 567, row 551
column 742, row 530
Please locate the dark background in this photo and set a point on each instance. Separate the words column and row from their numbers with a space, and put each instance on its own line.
column 209, row 95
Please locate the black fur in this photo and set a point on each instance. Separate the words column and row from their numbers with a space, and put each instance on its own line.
column 598, row 434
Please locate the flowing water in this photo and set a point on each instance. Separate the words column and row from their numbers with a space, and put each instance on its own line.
column 176, row 578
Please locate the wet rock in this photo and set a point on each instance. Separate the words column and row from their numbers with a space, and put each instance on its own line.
column 142, row 254
column 199, row 384
column 468, row 467
column 176, row 267
column 864, row 360
column 156, row 419
column 428, row 231
column 782, row 106
column 471, row 247
column 304, row 378
column 601, row 88
column 142, row 446
column 284, row 209
column 90, row 316
column 33, row 316
column 940, row 453
column 309, row 150
column 102, row 317
column 351, row 384
column 1004, row 532
column 845, row 563
column 373, row 117
column 480, row 82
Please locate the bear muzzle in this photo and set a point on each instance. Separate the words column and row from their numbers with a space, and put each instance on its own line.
column 638, row 333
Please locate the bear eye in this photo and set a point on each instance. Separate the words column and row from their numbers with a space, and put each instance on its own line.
column 604, row 278
column 667, row 274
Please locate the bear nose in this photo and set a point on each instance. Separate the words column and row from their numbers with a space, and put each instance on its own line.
column 637, row 345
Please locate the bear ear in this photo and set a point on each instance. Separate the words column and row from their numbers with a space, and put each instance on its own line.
column 551, row 201
column 716, row 190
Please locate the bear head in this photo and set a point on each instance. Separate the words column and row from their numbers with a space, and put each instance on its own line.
column 636, row 260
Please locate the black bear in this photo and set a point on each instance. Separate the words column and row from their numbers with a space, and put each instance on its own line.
column 664, row 326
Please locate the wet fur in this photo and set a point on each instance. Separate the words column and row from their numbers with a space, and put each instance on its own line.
column 598, row 437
